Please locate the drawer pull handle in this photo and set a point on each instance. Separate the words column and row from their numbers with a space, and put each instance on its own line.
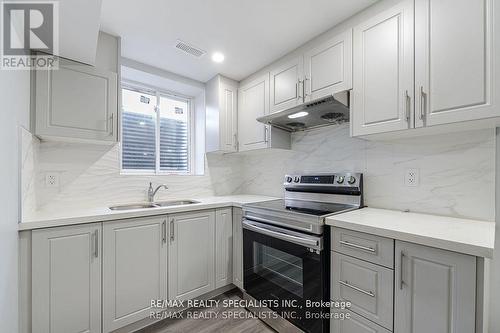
column 356, row 246
column 347, row 284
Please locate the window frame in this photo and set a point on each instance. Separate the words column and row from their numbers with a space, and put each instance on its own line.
column 158, row 93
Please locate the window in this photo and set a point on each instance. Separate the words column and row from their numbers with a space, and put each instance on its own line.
column 156, row 130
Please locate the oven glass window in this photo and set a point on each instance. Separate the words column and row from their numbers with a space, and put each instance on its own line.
column 282, row 269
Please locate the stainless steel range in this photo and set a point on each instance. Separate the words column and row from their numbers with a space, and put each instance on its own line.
column 286, row 251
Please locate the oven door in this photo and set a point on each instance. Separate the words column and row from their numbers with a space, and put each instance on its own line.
column 285, row 269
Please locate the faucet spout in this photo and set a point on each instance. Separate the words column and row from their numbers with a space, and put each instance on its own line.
column 152, row 192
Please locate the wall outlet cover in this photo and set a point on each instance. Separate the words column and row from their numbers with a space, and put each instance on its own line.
column 52, row 179
column 412, row 177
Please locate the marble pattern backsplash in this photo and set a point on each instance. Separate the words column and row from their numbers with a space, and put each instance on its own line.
column 457, row 172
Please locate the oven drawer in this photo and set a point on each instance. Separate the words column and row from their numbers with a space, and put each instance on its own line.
column 355, row 324
column 375, row 249
column 367, row 286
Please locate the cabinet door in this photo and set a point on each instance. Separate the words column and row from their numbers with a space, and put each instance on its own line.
column 228, row 118
column 453, row 61
column 237, row 248
column 77, row 102
column 434, row 290
column 191, row 261
column 134, row 269
column 66, row 279
column 383, row 72
column 328, row 67
column 368, row 287
column 253, row 103
column 223, row 247
column 287, row 87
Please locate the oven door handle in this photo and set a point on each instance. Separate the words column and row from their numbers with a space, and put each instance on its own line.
column 313, row 243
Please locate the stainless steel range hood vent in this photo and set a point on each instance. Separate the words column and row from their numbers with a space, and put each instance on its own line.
column 331, row 110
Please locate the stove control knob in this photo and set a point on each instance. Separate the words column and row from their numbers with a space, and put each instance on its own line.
column 340, row 179
column 289, row 179
column 351, row 180
column 297, row 179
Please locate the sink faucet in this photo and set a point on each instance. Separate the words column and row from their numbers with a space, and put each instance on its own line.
column 152, row 193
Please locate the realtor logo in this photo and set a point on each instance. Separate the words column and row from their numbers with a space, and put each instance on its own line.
column 29, row 35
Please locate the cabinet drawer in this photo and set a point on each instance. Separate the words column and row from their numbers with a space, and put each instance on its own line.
column 355, row 324
column 367, row 286
column 375, row 249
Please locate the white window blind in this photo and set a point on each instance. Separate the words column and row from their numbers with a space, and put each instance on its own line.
column 155, row 132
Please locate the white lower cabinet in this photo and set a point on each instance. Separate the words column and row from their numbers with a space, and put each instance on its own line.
column 367, row 286
column 223, row 247
column 66, row 279
column 237, row 248
column 134, row 269
column 355, row 324
column 435, row 290
column 191, row 261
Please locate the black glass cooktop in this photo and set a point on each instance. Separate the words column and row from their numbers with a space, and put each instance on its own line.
column 302, row 207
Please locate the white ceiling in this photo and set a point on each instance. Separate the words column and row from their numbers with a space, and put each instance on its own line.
column 251, row 33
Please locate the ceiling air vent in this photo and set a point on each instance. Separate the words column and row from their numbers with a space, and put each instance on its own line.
column 189, row 49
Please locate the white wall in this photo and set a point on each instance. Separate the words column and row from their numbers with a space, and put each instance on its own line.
column 14, row 110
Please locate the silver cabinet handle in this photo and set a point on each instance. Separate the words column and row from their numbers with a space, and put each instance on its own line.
column 164, row 231
column 266, row 134
column 111, row 119
column 235, row 137
column 423, row 101
column 347, row 284
column 356, row 246
column 304, row 87
column 172, row 236
column 407, row 105
column 401, row 272
column 96, row 243
column 301, row 82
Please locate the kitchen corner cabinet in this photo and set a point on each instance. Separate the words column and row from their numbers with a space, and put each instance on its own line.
column 238, row 248
column 221, row 115
column 66, row 283
column 191, row 257
column 453, row 61
column 328, row 67
column 134, row 269
column 76, row 102
column 223, row 247
column 434, row 290
column 253, row 99
column 383, row 72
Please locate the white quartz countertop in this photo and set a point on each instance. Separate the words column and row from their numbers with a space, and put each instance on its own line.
column 460, row 235
column 102, row 214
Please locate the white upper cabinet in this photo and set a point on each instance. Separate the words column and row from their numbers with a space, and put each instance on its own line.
column 287, row 85
column 453, row 61
column 254, row 103
column 66, row 279
column 134, row 269
column 77, row 102
column 253, row 99
column 383, row 72
column 191, row 254
column 221, row 115
column 328, row 67
column 435, row 290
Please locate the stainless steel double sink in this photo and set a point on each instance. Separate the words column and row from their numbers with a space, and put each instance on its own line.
column 145, row 205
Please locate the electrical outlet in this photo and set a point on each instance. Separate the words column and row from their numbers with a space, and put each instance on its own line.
column 411, row 177
column 52, row 179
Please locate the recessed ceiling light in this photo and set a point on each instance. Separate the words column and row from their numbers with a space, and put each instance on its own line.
column 298, row 115
column 218, row 57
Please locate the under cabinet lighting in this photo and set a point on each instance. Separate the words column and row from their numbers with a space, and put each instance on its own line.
column 298, row 115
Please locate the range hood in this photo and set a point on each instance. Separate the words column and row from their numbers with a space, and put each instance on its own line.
column 330, row 110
